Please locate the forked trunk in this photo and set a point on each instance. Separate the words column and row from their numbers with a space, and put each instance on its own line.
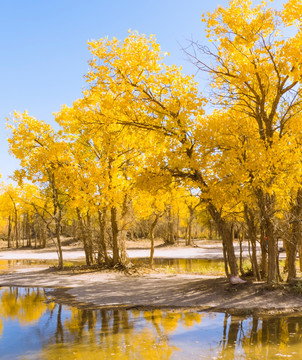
column 225, row 231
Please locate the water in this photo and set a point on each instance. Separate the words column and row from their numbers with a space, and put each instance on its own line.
column 198, row 266
column 11, row 264
column 33, row 328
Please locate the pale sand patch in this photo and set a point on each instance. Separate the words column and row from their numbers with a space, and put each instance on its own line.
column 203, row 251
column 108, row 289
column 112, row 289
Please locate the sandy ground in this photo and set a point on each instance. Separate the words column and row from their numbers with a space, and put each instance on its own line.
column 111, row 289
column 202, row 250
column 106, row 289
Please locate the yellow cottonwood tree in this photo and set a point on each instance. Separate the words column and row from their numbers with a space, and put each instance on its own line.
column 11, row 210
column 112, row 155
column 256, row 71
column 132, row 90
column 44, row 156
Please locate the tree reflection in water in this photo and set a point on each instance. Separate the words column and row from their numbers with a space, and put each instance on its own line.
column 264, row 337
column 51, row 331
column 25, row 305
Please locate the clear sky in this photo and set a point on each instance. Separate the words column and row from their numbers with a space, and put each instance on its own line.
column 44, row 52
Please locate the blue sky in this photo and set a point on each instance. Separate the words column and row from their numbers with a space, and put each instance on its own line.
column 44, row 51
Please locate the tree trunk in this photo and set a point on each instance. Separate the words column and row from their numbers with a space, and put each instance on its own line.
column 266, row 204
column 44, row 236
column 83, row 237
column 300, row 254
column 23, row 230
column 9, row 233
column 252, row 231
column 285, row 243
column 36, row 238
column 58, row 235
column 28, row 231
column 240, row 239
column 89, row 239
column 177, row 227
column 153, row 225
column 263, row 246
column 295, row 239
column 122, row 246
column 272, row 275
column 170, row 240
column 191, row 217
column 225, row 231
column 16, row 228
column 210, row 229
column 225, row 258
column 114, row 228
column 102, row 248
column 125, row 219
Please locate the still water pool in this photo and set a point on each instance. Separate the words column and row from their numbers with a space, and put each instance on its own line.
column 34, row 327
column 197, row 266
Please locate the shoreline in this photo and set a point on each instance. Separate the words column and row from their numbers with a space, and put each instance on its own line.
column 113, row 290
column 202, row 249
column 61, row 296
column 147, row 289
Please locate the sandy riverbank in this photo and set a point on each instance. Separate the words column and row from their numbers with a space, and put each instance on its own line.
column 135, row 249
column 93, row 289
column 107, row 289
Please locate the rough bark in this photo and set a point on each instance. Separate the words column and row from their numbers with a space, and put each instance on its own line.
column 44, row 236
column 16, row 227
column 89, row 239
column 263, row 251
column 295, row 238
column 102, row 247
column 125, row 220
column 84, row 237
column 9, row 234
column 114, row 229
column 191, row 217
column 152, row 228
column 28, row 231
column 240, row 239
column 170, row 240
column 252, row 232
column 58, row 235
column 266, row 204
column 225, row 231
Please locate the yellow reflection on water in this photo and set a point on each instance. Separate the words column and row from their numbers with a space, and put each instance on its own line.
column 26, row 307
column 72, row 333
column 4, row 265
column 116, row 337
